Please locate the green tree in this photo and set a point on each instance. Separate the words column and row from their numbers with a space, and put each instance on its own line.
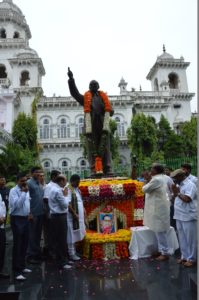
column 25, row 132
column 174, row 146
column 164, row 132
column 142, row 136
column 188, row 133
column 14, row 159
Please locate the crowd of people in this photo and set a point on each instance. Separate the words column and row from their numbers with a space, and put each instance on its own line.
column 52, row 213
column 172, row 200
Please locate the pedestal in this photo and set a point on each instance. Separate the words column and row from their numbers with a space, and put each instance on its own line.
column 126, row 197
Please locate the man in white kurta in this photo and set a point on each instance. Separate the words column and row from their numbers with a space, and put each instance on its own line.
column 156, row 210
column 75, row 234
column 185, row 213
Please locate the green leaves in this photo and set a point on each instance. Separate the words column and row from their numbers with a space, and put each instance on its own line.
column 158, row 141
column 15, row 159
column 142, row 135
column 25, row 132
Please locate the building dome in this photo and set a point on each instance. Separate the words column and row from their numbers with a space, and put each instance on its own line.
column 11, row 12
column 9, row 5
column 27, row 53
column 165, row 56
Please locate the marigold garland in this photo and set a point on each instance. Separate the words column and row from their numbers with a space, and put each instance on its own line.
column 107, row 246
column 98, row 165
column 88, row 101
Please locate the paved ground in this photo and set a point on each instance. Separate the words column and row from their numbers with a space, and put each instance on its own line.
column 144, row 279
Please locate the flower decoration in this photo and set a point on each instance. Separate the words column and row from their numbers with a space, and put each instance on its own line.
column 107, row 246
column 110, row 188
column 98, row 165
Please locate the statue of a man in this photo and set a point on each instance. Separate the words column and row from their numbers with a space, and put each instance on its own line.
column 97, row 112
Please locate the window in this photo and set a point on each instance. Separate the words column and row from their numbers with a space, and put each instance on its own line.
column 46, row 164
column 16, row 35
column 156, row 87
column 46, row 130
column 173, row 81
column 83, row 164
column 24, row 78
column 63, row 130
column 64, row 163
column 65, row 167
column 79, row 127
column 3, row 73
column 2, row 33
column 120, row 127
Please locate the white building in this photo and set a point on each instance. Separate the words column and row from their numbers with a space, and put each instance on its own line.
column 60, row 119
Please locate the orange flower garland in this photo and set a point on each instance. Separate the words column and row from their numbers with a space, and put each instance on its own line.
column 99, row 246
column 98, row 165
column 88, row 101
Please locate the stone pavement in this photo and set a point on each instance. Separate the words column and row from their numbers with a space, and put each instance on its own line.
column 144, row 279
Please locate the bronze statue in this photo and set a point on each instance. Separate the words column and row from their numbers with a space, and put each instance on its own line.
column 97, row 112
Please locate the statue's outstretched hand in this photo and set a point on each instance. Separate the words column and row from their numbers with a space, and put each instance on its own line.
column 70, row 73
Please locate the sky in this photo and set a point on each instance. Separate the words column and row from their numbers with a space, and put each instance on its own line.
column 106, row 40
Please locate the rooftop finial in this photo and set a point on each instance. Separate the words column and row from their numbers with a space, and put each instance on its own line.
column 164, row 50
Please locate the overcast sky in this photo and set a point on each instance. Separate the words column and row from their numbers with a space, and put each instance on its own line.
column 109, row 39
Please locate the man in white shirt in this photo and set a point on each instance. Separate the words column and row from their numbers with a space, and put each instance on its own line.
column 2, row 238
column 187, row 169
column 185, row 213
column 48, row 249
column 58, row 204
column 19, row 208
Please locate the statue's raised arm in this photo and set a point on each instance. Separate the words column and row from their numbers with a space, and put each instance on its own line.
column 97, row 112
column 73, row 88
column 70, row 73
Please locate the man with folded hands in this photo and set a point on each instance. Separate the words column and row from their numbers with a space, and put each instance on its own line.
column 185, row 213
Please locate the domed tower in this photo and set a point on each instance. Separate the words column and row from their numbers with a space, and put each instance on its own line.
column 169, row 73
column 21, row 69
column 169, row 84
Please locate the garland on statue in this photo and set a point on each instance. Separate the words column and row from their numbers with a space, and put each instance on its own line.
column 87, row 111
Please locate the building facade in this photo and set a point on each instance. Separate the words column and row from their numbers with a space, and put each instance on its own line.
column 60, row 120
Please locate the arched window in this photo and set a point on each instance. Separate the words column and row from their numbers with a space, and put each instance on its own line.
column 120, row 126
column 46, row 164
column 3, row 73
column 83, row 164
column 46, row 130
column 156, row 87
column 64, row 164
column 2, row 33
column 16, row 35
column 173, row 81
column 47, row 167
column 79, row 127
column 24, row 78
column 63, row 130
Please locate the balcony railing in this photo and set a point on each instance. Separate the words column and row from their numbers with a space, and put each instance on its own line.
column 12, row 42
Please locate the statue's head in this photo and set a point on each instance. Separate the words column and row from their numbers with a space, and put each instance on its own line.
column 93, row 86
